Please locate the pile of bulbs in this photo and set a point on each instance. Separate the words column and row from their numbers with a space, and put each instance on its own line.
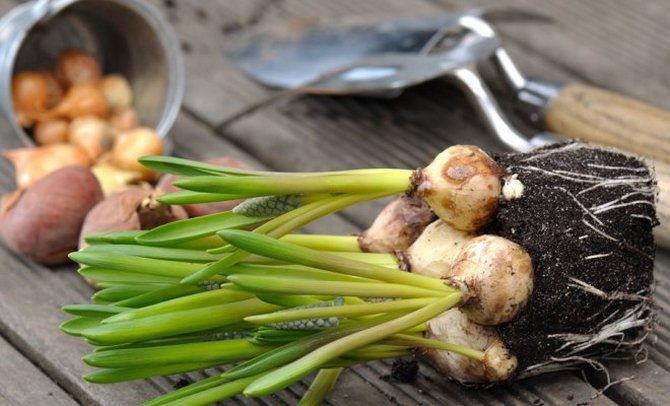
column 78, row 116
column 82, row 174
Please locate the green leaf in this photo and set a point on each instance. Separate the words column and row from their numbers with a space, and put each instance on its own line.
column 263, row 245
column 115, row 276
column 145, row 251
column 222, row 352
column 134, row 264
column 189, row 197
column 113, row 237
column 214, row 297
column 121, row 292
column 76, row 325
column 159, row 294
column 321, row 385
column 194, row 228
column 294, row 371
column 115, row 375
column 93, row 310
column 283, row 355
column 292, row 271
column 186, row 167
column 214, row 394
column 177, row 323
column 392, row 182
column 192, row 389
column 283, row 285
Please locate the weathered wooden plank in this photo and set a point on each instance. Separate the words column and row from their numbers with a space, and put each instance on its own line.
column 24, row 384
column 636, row 384
column 659, row 340
column 30, row 302
column 214, row 88
column 620, row 45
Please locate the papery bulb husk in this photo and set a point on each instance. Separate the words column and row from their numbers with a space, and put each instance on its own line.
column 194, row 210
column 434, row 252
column 153, row 214
column 132, row 208
column 454, row 327
column 496, row 278
column 397, row 226
column 44, row 222
column 462, row 186
column 31, row 164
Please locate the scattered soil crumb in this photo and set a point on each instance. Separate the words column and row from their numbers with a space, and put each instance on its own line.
column 404, row 370
column 181, row 383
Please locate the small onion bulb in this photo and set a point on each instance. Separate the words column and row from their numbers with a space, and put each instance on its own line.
column 30, row 94
column 81, row 100
column 462, row 186
column 397, row 226
column 454, row 327
column 113, row 179
column 117, row 91
column 134, row 144
column 434, row 252
column 496, row 278
column 77, row 67
column 32, row 164
column 92, row 134
column 51, row 132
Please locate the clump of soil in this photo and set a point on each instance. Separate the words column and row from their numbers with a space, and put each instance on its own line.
column 586, row 219
column 405, row 369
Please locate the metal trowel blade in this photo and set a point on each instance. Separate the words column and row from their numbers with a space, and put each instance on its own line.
column 298, row 54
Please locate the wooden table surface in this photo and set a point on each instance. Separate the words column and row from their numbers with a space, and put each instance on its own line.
column 620, row 45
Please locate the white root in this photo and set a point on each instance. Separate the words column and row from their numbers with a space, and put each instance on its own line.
column 454, row 327
column 434, row 252
column 496, row 278
column 513, row 188
column 462, row 186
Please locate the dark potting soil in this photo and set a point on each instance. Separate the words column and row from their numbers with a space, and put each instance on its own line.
column 586, row 214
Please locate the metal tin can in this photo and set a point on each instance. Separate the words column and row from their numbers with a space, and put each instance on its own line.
column 128, row 37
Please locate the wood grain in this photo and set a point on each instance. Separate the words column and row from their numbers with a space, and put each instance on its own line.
column 24, row 384
column 604, row 117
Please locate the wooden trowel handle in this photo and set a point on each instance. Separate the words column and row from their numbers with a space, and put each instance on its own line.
column 606, row 118
column 603, row 117
column 662, row 232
